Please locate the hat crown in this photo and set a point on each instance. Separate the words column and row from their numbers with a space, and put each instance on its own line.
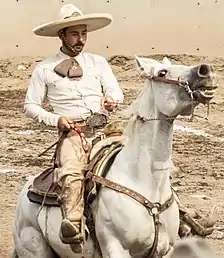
column 68, row 11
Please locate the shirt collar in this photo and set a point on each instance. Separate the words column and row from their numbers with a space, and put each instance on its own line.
column 62, row 55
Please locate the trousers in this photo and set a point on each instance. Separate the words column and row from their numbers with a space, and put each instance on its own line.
column 71, row 159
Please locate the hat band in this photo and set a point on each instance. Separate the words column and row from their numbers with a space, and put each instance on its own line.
column 75, row 14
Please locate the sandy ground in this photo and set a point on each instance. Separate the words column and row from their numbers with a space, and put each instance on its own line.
column 200, row 180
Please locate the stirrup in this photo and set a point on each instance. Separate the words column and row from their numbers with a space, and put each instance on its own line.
column 72, row 234
column 69, row 233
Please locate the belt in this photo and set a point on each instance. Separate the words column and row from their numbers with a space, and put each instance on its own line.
column 80, row 123
column 92, row 123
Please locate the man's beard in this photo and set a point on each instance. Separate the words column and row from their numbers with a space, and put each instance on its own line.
column 78, row 47
column 75, row 49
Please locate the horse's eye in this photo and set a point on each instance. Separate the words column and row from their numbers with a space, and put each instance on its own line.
column 162, row 73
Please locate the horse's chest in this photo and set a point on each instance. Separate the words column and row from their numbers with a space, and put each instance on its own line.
column 134, row 224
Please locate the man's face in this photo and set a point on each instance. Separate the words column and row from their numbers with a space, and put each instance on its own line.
column 76, row 36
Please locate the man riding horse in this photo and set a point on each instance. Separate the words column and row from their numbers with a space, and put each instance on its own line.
column 77, row 85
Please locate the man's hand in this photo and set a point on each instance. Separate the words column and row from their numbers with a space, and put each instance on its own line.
column 65, row 124
column 108, row 103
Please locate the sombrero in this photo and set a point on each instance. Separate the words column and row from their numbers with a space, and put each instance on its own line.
column 70, row 15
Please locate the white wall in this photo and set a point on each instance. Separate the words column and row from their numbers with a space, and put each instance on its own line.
column 140, row 26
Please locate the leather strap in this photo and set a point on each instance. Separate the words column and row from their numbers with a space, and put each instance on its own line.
column 154, row 209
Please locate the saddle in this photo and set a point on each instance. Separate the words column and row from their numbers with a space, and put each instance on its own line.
column 45, row 190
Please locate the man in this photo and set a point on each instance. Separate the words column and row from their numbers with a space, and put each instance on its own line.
column 76, row 84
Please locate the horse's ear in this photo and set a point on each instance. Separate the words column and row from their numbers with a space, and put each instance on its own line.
column 166, row 61
column 145, row 63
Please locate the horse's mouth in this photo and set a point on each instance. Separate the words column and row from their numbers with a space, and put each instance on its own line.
column 204, row 93
column 207, row 92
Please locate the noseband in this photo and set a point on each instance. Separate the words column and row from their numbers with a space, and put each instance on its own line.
column 178, row 82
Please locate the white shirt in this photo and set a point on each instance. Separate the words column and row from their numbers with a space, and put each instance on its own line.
column 71, row 98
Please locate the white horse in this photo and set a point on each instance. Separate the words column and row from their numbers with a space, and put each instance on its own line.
column 124, row 227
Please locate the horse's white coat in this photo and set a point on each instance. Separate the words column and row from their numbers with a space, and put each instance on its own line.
column 124, row 228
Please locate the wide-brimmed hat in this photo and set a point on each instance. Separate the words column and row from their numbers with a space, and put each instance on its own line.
column 70, row 15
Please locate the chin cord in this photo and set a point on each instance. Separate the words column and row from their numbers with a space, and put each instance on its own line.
column 204, row 117
column 191, row 94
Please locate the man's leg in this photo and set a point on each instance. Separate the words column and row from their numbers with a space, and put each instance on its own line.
column 70, row 177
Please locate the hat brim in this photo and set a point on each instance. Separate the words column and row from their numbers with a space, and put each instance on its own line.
column 92, row 21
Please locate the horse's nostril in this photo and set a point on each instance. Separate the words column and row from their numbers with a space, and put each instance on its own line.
column 204, row 70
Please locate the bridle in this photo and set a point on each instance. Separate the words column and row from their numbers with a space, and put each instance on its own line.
column 181, row 83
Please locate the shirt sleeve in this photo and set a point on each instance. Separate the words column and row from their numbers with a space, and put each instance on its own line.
column 35, row 95
column 109, row 82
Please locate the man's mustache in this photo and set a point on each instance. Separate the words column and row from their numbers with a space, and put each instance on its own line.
column 78, row 44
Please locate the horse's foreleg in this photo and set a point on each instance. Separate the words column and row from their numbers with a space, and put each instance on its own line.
column 114, row 250
column 110, row 245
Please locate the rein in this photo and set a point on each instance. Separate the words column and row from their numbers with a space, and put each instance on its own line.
column 85, row 144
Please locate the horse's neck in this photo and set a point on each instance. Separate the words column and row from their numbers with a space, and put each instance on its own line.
column 149, row 151
column 151, row 148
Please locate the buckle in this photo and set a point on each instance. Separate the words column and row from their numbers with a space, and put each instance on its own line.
column 156, row 209
column 97, row 120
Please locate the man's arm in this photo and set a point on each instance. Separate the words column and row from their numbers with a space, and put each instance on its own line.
column 34, row 99
column 109, row 83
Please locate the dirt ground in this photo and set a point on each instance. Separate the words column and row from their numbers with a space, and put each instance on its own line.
column 199, row 181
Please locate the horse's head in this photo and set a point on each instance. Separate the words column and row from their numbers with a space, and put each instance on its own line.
column 177, row 89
